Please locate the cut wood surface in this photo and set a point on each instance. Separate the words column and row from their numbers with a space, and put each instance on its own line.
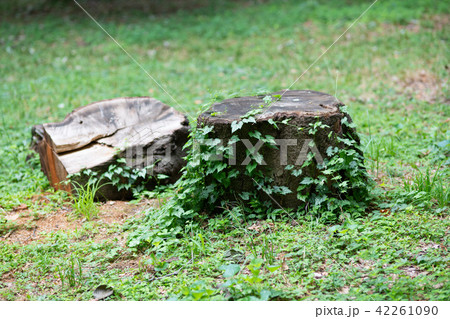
column 304, row 103
column 93, row 136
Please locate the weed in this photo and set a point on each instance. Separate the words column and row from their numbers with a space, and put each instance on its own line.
column 84, row 204
column 70, row 273
column 429, row 187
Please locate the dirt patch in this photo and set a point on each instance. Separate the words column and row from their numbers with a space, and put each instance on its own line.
column 412, row 271
column 423, row 85
column 29, row 227
column 440, row 22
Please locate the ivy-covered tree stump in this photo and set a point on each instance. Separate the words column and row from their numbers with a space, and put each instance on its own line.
column 294, row 149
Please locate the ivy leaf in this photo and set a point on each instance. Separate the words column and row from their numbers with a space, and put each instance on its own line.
column 230, row 270
column 207, row 129
column 272, row 122
column 319, row 200
column 251, row 167
column 245, row 195
column 108, row 175
column 331, row 151
column 297, row 172
column 250, row 119
column 307, row 181
column 235, row 125
column 282, row 190
column 233, row 173
column 303, row 198
column 121, row 160
column 258, row 158
column 255, row 134
column 267, row 99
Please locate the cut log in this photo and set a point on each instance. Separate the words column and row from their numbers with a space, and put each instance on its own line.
column 143, row 130
column 289, row 121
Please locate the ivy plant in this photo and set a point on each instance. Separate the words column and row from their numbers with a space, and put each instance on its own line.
column 339, row 187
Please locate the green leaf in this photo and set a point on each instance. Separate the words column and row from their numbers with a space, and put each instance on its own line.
column 236, row 126
column 249, row 120
column 245, row 195
column 297, row 172
column 258, row 158
column 272, row 122
column 272, row 268
column 283, row 190
column 230, row 270
column 251, row 167
column 267, row 99
column 265, row 294
column 307, row 181
column 255, row 134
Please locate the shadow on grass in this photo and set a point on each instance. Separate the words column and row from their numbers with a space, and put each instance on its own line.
column 114, row 9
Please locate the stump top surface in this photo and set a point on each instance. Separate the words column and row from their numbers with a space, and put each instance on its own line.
column 113, row 121
column 295, row 102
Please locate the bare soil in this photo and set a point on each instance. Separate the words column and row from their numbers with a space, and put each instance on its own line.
column 31, row 227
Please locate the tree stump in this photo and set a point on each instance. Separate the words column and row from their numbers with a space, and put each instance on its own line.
column 142, row 130
column 300, row 123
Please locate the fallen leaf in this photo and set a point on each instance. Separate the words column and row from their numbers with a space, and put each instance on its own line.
column 234, row 255
column 344, row 290
column 255, row 227
column 12, row 217
column 21, row 207
column 102, row 292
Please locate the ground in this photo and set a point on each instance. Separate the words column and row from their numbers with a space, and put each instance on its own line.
column 391, row 69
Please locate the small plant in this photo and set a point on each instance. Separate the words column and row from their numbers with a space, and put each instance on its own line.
column 124, row 177
column 70, row 273
column 84, row 202
column 157, row 262
column 119, row 175
column 199, row 290
column 268, row 249
column 236, row 287
column 428, row 187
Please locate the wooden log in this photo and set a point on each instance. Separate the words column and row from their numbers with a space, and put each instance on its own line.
column 142, row 130
column 299, row 110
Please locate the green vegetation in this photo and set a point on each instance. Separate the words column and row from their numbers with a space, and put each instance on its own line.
column 84, row 204
column 390, row 70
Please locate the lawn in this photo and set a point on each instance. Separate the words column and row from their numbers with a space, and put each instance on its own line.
column 391, row 69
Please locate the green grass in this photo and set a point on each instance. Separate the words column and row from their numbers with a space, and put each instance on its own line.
column 84, row 204
column 390, row 69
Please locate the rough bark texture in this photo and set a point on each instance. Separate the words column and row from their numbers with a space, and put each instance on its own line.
column 302, row 108
column 142, row 130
